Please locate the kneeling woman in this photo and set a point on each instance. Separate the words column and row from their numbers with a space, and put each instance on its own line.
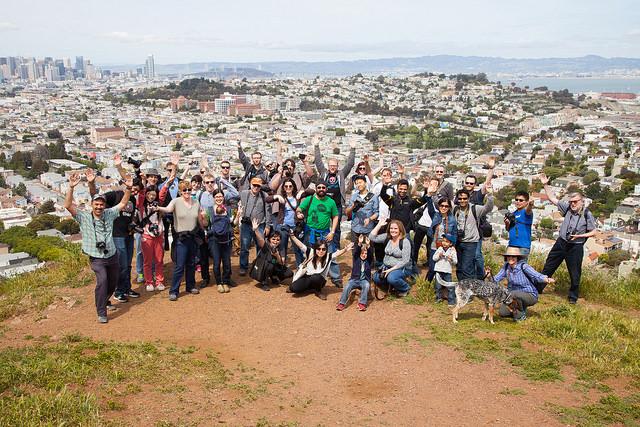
column 397, row 256
column 269, row 263
column 521, row 281
column 312, row 273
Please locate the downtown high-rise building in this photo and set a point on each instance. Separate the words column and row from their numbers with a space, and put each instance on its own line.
column 149, row 67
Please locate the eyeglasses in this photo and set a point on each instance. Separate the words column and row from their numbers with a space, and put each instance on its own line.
column 321, row 249
column 186, row 190
column 362, row 167
column 333, row 166
column 288, row 186
column 168, row 170
column 209, row 182
column 256, row 185
column 225, row 167
column 469, row 183
column 463, row 198
column 321, row 187
column 519, row 200
column 439, row 172
column 575, row 201
column 444, row 206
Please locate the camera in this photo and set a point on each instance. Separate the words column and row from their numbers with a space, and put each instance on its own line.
column 298, row 231
column 102, row 247
column 357, row 205
column 135, row 163
column 154, row 230
column 510, row 220
column 460, row 235
column 245, row 220
column 302, row 156
column 154, row 204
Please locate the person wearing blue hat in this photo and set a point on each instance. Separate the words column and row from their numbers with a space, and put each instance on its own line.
column 445, row 259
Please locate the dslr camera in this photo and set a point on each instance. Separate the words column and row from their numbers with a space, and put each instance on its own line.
column 135, row 163
column 102, row 247
column 357, row 205
column 245, row 220
column 509, row 220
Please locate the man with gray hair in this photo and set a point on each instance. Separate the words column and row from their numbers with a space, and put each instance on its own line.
column 578, row 225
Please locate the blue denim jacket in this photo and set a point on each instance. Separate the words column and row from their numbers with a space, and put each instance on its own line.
column 367, row 211
column 436, row 220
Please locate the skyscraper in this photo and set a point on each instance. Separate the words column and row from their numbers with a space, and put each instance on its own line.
column 79, row 65
column 149, row 67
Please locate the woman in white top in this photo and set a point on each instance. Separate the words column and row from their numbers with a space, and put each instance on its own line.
column 312, row 273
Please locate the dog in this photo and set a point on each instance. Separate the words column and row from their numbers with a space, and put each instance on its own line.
column 488, row 291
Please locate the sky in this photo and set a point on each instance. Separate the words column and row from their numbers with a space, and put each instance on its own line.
column 181, row 31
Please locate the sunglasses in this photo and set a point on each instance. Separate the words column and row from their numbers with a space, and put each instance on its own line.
column 439, row 171
column 186, row 191
column 225, row 167
column 322, row 187
column 168, row 170
column 469, row 183
column 209, row 182
column 321, row 249
column 362, row 168
column 520, row 200
column 288, row 186
column 256, row 185
column 575, row 201
column 463, row 198
column 444, row 206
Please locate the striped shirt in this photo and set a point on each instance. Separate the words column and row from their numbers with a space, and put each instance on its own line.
column 517, row 279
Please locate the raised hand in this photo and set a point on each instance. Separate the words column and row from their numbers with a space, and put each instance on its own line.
column 433, row 186
column 117, row 159
column 491, row 163
column 400, row 168
column 90, row 174
column 315, row 139
column 349, row 247
column 544, row 179
column 74, row 179
column 488, row 188
column 128, row 181
column 175, row 158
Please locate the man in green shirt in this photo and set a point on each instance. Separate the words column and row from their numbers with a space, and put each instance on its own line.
column 321, row 223
column 96, row 228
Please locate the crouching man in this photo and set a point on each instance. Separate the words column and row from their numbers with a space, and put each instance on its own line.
column 96, row 228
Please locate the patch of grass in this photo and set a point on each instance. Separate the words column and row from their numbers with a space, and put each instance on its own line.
column 55, row 408
column 608, row 410
column 36, row 289
column 513, row 392
column 422, row 292
column 264, row 422
column 538, row 366
column 598, row 285
column 403, row 340
column 116, row 369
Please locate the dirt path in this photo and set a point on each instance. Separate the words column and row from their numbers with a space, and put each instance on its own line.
column 329, row 367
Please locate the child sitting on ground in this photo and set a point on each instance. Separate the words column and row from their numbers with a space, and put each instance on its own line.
column 360, row 274
column 445, row 258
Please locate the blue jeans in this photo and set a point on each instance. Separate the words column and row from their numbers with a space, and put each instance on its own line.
column 139, row 259
column 124, row 249
column 246, row 236
column 356, row 284
column 451, row 294
column 221, row 253
column 396, row 279
column 284, row 243
column 311, row 235
column 466, row 257
column 185, row 264
column 478, row 262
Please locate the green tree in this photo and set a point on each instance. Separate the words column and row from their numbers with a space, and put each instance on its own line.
column 47, row 207
column 340, row 132
column 68, row 227
column 590, row 177
column 43, row 222
column 21, row 189
column 614, row 257
column 54, row 134
column 608, row 166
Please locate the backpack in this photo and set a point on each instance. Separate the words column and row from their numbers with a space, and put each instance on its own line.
column 539, row 286
column 484, row 227
column 220, row 229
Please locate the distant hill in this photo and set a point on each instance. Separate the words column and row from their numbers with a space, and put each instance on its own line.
column 448, row 64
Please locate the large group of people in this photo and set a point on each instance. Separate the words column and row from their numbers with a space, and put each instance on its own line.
column 296, row 206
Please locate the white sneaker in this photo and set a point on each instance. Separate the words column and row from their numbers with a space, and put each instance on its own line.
column 149, row 288
column 160, row 287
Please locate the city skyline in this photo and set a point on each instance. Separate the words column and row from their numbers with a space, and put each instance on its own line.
column 279, row 31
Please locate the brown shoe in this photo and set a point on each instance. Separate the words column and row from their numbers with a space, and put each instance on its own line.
column 321, row 295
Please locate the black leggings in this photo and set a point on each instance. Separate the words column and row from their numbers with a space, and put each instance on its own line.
column 314, row 282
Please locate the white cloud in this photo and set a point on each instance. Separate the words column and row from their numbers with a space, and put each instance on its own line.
column 8, row 26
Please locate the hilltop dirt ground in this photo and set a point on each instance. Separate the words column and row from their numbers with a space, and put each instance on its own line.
column 318, row 366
